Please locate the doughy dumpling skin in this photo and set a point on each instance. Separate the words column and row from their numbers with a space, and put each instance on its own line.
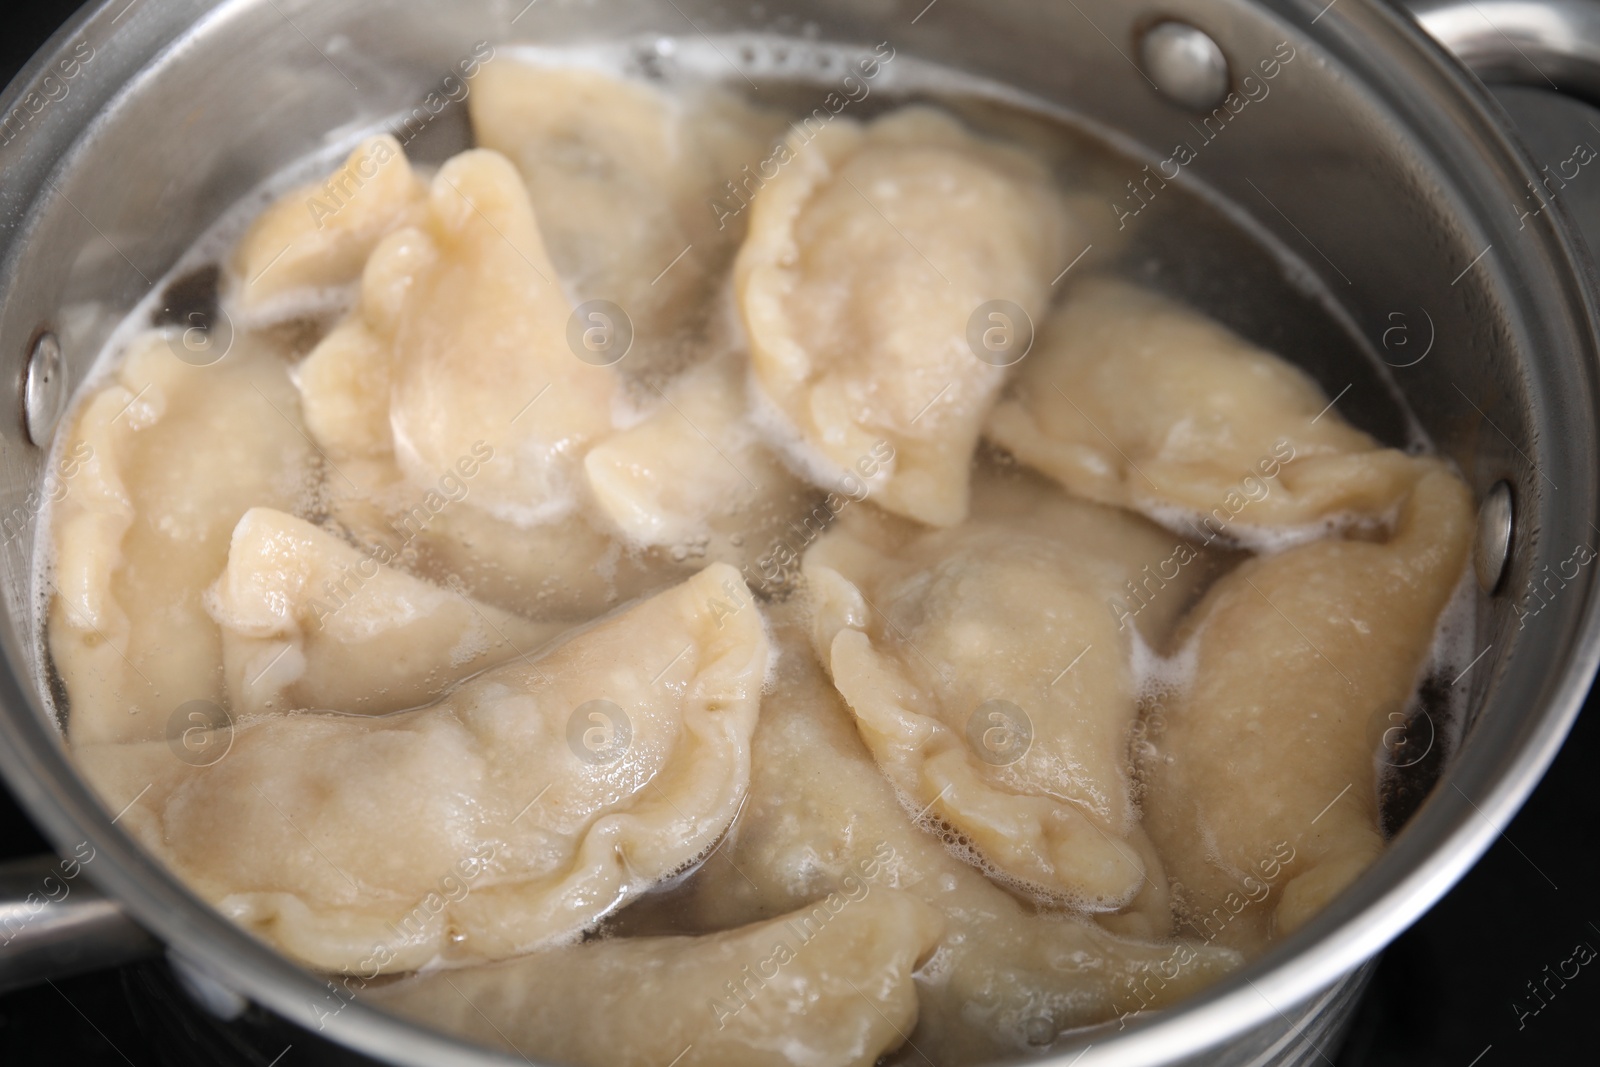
column 1007, row 978
column 344, row 384
column 478, row 322
column 573, row 782
column 1132, row 399
column 562, row 569
column 318, row 237
column 828, row 986
column 621, row 175
column 694, row 470
column 310, row 621
column 457, row 524
column 462, row 323
column 173, row 456
column 567, row 570
column 992, row 679
column 867, row 256
column 1267, row 759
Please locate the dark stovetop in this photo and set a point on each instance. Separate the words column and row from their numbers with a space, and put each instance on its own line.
column 1453, row 991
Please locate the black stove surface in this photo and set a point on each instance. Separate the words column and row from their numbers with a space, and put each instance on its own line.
column 1475, row 983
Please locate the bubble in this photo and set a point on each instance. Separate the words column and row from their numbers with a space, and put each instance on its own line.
column 599, row 732
column 1000, row 333
column 1000, row 733
column 200, row 733
column 202, row 338
column 599, row 333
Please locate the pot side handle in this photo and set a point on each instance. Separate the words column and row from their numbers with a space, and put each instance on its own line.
column 1548, row 44
column 55, row 924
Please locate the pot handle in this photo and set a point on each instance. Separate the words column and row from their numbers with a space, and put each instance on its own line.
column 55, row 924
column 1548, row 44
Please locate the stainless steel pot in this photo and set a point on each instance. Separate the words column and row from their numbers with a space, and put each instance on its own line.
column 1383, row 167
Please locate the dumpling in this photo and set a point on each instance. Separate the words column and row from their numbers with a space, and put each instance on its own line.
column 1165, row 572
column 458, row 351
column 694, row 470
column 562, row 569
column 1262, row 784
column 1007, row 978
column 477, row 319
column 828, row 986
column 173, row 455
column 344, row 385
column 566, row 570
column 309, row 621
column 990, row 671
column 869, row 256
column 314, row 241
column 1134, row 400
column 623, row 177
column 1148, row 916
column 559, row 787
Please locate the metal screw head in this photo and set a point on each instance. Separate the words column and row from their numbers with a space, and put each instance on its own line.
column 1186, row 64
column 44, row 389
column 1493, row 545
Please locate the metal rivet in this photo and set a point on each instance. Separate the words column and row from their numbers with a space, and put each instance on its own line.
column 1186, row 64
column 1493, row 546
column 44, row 390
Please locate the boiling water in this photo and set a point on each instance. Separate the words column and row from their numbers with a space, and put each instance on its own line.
column 1187, row 243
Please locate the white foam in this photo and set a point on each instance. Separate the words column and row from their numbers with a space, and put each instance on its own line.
column 1262, row 540
column 311, row 303
column 1157, row 678
column 726, row 58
